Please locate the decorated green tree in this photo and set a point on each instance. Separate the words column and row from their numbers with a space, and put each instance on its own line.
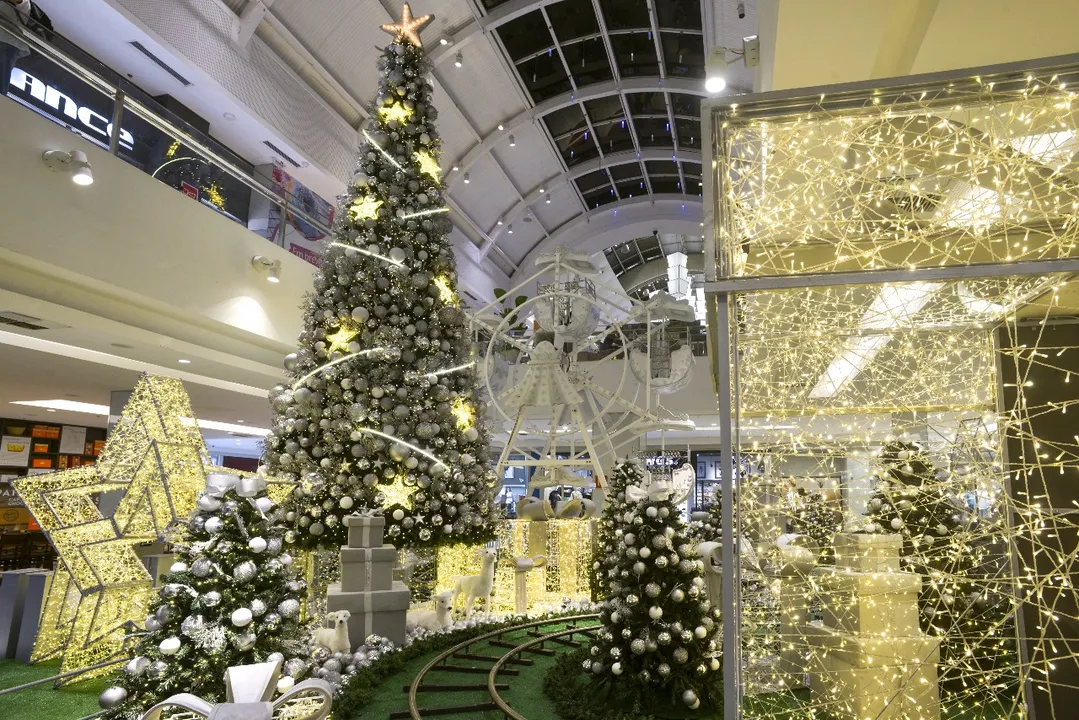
column 626, row 474
column 965, row 594
column 231, row 598
column 659, row 638
column 815, row 517
column 382, row 408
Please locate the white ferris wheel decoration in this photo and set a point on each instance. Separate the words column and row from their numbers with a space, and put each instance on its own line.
column 542, row 381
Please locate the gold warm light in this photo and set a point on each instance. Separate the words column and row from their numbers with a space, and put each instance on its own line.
column 463, row 413
column 156, row 457
column 567, row 544
column 428, row 165
column 827, row 376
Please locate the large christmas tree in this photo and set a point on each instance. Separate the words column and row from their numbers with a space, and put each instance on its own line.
column 659, row 638
column 605, row 558
column 383, row 409
column 965, row 594
column 231, row 598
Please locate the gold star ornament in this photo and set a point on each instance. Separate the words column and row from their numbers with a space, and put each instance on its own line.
column 365, row 208
column 340, row 339
column 428, row 165
column 409, row 27
column 395, row 111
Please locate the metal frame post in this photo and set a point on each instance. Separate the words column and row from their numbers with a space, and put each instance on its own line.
column 732, row 657
column 118, row 100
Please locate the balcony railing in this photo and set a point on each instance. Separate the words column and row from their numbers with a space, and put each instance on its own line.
column 62, row 82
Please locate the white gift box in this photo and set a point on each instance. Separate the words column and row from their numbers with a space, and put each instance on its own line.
column 882, row 678
column 871, row 604
column 868, row 553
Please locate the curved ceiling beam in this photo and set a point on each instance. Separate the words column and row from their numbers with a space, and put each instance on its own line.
column 640, row 275
column 619, row 222
column 689, row 86
column 504, row 13
column 497, row 234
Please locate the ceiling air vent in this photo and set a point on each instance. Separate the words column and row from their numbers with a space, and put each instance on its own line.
column 27, row 322
column 282, row 153
column 160, row 63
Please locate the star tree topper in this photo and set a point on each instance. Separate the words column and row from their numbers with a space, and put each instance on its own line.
column 409, row 27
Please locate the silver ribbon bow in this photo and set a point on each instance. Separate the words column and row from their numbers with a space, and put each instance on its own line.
column 251, row 486
column 218, row 483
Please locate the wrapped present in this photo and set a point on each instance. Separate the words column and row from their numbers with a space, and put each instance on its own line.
column 365, row 530
column 868, row 552
column 377, row 612
column 368, row 568
column 876, row 604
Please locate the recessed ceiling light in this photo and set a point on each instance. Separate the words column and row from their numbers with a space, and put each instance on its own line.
column 458, row 59
column 501, row 126
column 443, row 41
column 230, row 427
column 68, row 405
column 50, row 409
column 240, row 421
column 230, row 116
column 182, row 361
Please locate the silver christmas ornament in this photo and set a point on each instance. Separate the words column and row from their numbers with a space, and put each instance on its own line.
column 136, row 666
column 111, row 697
column 244, row 571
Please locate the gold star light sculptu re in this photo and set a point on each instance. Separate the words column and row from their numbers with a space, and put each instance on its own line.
column 409, row 27
column 156, row 457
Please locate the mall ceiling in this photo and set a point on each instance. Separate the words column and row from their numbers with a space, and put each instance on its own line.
column 549, row 110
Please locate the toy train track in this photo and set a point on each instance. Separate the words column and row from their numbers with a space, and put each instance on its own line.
column 498, row 668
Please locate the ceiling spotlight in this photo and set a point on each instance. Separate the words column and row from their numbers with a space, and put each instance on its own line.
column 458, row 59
column 229, row 116
column 548, row 199
column 501, row 127
column 271, row 268
column 443, row 41
column 74, row 162
column 543, row 189
column 455, row 168
column 513, row 141
column 715, row 71
column 468, row 178
column 184, row 361
column 499, row 221
column 510, row 229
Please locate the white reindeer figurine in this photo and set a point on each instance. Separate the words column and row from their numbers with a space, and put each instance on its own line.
column 335, row 637
column 478, row 586
column 433, row 620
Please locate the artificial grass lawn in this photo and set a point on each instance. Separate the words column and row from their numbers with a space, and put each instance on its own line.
column 43, row 702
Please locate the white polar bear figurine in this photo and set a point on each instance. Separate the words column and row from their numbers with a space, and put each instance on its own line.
column 433, row 620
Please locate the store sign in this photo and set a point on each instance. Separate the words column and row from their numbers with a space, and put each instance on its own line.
column 8, row 496
column 50, row 100
column 665, row 460
column 190, row 190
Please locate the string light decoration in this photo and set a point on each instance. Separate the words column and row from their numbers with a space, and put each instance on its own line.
column 160, row 463
column 953, row 596
column 567, row 545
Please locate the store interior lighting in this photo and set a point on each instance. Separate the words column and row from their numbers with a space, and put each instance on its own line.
column 103, row 410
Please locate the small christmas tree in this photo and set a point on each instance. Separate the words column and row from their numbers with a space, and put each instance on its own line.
column 659, row 634
column 964, row 598
column 231, row 598
column 626, row 474
column 382, row 408
column 817, row 518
